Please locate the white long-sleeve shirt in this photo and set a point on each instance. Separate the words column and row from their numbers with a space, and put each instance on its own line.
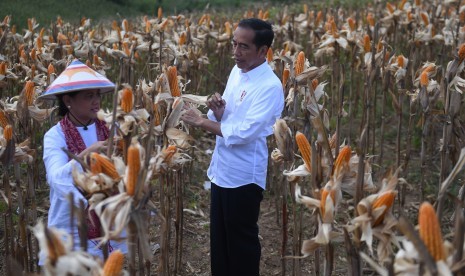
column 254, row 100
column 58, row 168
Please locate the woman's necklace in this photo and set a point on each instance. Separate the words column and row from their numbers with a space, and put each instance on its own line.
column 84, row 125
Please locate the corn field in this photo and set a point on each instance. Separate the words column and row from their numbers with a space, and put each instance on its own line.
column 365, row 167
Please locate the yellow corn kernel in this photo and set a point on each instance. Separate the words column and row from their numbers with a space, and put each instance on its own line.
column 299, row 63
column 101, row 164
column 385, row 199
column 430, row 231
column 127, row 100
column 305, row 149
column 133, row 168
column 173, row 81
column 114, row 264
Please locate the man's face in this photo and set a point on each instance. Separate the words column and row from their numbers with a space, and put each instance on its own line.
column 246, row 54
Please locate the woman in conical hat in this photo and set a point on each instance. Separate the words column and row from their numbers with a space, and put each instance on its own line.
column 78, row 90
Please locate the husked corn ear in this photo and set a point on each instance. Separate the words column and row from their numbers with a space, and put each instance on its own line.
column 182, row 38
column 29, row 91
column 3, row 119
column 285, row 76
column 8, row 132
column 366, row 43
column 425, row 18
column 2, row 68
column 402, row 4
column 384, row 199
column 127, row 100
column 342, row 159
column 160, row 13
column 114, row 264
column 305, row 149
column 391, row 8
column 351, row 23
column 169, row 152
column 400, row 61
column 424, row 80
column 101, row 164
column 325, row 192
column 133, row 168
column 173, row 81
column 314, row 84
column 300, row 63
column 318, row 18
column 461, row 52
column 430, row 231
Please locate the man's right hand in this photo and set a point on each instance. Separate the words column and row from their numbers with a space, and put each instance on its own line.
column 216, row 104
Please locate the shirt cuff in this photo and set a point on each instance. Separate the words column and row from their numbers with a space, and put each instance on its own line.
column 227, row 131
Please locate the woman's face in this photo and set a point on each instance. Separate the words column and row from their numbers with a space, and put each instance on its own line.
column 84, row 105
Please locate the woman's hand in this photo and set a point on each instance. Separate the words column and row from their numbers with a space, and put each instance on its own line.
column 95, row 147
column 216, row 104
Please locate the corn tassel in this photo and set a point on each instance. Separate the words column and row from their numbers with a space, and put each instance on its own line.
column 127, row 100
column 300, row 63
column 385, row 199
column 173, row 81
column 114, row 264
column 133, row 169
column 305, row 149
column 430, row 231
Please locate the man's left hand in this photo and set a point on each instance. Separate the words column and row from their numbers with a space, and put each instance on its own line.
column 192, row 117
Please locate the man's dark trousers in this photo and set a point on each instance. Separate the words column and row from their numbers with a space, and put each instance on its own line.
column 235, row 247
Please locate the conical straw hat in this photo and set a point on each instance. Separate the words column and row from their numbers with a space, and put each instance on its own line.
column 77, row 76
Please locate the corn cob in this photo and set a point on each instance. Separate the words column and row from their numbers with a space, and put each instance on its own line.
column 29, row 90
column 114, row 264
column 424, row 79
column 3, row 119
column 266, row 15
column 160, row 14
column 2, row 68
column 391, row 8
column 169, row 152
column 325, row 192
column 227, row 28
column 400, row 61
column 461, row 52
column 133, row 169
column 125, row 25
column 173, row 81
column 127, row 100
column 8, row 132
column 182, row 38
column 417, row 3
column 424, row 17
column 430, row 231
column 366, row 43
column 101, row 164
column 351, row 23
column 300, row 63
column 343, row 158
column 29, row 24
column 314, row 84
column 385, row 199
column 305, row 149
column 39, row 43
column 285, row 76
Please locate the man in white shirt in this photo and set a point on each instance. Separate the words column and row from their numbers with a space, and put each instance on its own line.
column 241, row 119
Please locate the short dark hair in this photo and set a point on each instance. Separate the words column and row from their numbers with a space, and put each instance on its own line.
column 263, row 31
